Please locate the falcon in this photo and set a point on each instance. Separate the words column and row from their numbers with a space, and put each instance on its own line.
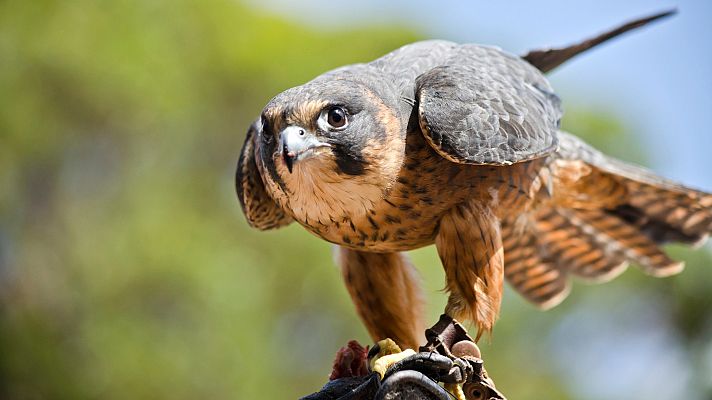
column 457, row 145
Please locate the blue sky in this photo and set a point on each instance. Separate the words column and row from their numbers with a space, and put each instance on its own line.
column 658, row 80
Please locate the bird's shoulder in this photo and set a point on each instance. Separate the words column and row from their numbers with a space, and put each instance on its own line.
column 416, row 58
column 482, row 105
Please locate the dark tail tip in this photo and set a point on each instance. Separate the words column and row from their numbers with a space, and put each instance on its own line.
column 546, row 60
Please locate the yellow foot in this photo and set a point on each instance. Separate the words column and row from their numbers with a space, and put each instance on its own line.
column 388, row 354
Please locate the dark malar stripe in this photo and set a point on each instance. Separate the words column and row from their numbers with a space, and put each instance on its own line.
column 349, row 159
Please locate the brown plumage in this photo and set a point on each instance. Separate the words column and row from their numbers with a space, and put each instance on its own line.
column 396, row 311
column 457, row 146
column 476, row 262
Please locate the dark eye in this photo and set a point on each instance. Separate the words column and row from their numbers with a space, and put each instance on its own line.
column 336, row 117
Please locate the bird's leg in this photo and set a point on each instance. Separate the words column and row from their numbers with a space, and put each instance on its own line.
column 385, row 289
column 470, row 247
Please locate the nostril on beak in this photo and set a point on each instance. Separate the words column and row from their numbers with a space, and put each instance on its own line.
column 294, row 141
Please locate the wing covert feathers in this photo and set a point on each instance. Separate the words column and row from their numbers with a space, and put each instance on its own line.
column 483, row 106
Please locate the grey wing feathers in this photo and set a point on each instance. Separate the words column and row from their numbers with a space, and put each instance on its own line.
column 406, row 63
column 484, row 106
column 259, row 208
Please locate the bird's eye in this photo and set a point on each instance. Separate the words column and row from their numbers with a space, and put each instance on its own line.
column 336, row 117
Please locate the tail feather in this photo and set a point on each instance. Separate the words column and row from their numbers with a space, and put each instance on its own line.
column 548, row 59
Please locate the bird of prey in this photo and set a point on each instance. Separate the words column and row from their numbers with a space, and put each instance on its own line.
column 457, row 145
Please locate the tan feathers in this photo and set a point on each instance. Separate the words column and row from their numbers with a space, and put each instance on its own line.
column 385, row 290
column 470, row 246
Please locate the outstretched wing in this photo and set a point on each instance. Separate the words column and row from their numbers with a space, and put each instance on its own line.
column 259, row 208
column 484, row 106
column 604, row 214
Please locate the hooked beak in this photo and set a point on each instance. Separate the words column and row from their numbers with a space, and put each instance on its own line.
column 296, row 144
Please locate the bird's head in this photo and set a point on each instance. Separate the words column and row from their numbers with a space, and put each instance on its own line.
column 340, row 136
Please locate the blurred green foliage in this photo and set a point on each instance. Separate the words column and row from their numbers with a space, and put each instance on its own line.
column 126, row 267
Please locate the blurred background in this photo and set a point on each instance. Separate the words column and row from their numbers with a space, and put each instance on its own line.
column 127, row 269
